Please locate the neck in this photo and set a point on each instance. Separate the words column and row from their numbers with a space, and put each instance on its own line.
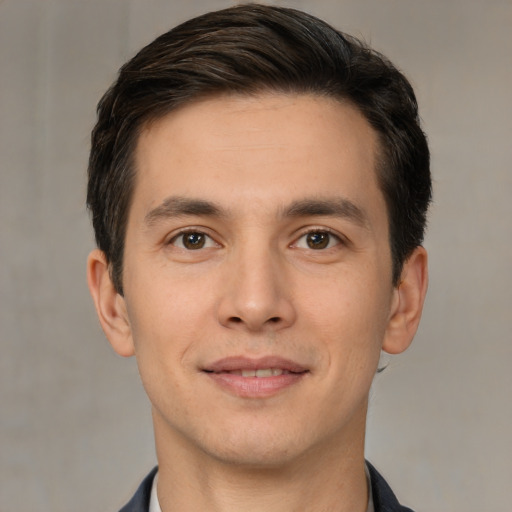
column 324, row 478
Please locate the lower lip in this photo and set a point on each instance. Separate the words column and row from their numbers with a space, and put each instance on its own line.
column 255, row 387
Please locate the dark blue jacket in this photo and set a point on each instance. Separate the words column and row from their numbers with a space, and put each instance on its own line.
column 383, row 498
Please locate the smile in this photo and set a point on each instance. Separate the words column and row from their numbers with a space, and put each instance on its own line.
column 255, row 378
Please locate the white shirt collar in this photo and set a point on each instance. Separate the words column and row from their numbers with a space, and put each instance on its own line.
column 154, row 506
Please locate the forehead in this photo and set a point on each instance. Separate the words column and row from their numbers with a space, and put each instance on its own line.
column 268, row 146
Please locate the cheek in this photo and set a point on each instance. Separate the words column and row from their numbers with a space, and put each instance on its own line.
column 165, row 331
column 349, row 314
column 165, row 318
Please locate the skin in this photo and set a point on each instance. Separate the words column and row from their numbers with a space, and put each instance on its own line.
column 273, row 167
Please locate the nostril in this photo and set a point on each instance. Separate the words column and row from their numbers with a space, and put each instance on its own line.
column 238, row 320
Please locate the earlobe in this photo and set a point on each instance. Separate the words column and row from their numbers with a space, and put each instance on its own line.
column 110, row 306
column 407, row 306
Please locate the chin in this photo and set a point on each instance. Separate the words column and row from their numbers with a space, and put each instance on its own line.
column 256, row 455
column 269, row 446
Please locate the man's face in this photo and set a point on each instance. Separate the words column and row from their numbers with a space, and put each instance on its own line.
column 257, row 275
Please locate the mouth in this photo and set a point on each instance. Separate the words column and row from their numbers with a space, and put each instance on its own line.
column 255, row 378
column 260, row 372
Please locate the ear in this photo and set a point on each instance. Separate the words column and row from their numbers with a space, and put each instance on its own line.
column 110, row 305
column 407, row 303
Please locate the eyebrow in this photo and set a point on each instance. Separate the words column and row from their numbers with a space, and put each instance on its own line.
column 336, row 207
column 176, row 206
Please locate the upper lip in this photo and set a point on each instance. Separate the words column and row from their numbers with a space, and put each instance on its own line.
column 229, row 364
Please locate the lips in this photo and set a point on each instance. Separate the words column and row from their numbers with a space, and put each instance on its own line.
column 255, row 378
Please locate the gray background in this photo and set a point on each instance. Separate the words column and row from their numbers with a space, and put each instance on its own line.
column 75, row 428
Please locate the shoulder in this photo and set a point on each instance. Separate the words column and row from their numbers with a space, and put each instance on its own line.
column 383, row 497
column 140, row 500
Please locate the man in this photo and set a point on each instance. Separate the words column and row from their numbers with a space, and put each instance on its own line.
column 258, row 184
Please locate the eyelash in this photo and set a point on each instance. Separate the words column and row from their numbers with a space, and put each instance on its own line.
column 190, row 231
column 320, row 230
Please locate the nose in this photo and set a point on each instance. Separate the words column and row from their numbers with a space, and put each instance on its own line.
column 256, row 293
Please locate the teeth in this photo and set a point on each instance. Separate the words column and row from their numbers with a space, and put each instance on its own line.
column 264, row 372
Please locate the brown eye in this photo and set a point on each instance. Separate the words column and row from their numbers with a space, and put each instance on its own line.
column 192, row 241
column 318, row 240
